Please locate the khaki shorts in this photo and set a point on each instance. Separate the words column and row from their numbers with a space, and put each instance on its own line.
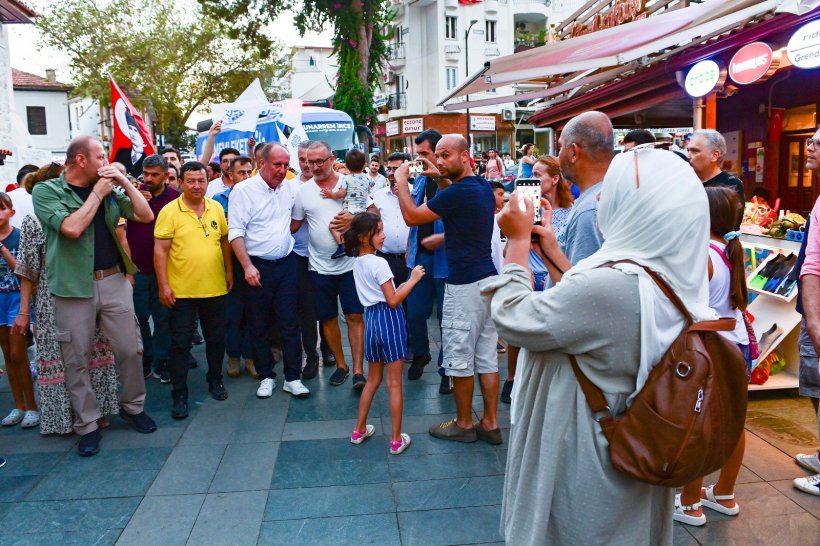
column 468, row 335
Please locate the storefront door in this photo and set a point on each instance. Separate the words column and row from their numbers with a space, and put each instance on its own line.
column 798, row 188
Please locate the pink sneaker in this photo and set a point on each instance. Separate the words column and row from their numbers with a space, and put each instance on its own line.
column 398, row 446
column 359, row 436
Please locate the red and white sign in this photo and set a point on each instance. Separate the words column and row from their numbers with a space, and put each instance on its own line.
column 751, row 63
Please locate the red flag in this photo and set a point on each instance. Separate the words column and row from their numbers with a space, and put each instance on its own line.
column 132, row 141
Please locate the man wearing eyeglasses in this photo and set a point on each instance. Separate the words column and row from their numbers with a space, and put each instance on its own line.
column 192, row 259
column 808, row 303
column 260, row 235
column 332, row 279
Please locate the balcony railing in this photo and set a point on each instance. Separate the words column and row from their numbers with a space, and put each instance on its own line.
column 397, row 101
column 396, row 51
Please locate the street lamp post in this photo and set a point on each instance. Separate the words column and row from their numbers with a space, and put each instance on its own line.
column 467, row 75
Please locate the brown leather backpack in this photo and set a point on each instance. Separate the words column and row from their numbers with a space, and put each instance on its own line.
column 688, row 417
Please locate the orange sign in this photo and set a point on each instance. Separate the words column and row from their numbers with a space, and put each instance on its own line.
column 623, row 11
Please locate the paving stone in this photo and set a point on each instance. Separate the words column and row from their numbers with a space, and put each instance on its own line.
column 229, row 518
column 69, row 515
column 245, row 467
column 441, row 466
column 431, row 527
column 380, row 529
column 448, row 493
column 101, row 537
column 189, row 469
column 15, row 488
column 166, row 520
column 94, row 485
column 322, row 502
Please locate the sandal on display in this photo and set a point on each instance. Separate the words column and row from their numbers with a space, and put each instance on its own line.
column 711, row 502
column 681, row 516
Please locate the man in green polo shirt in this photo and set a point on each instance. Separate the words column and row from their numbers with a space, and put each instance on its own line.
column 86, row 266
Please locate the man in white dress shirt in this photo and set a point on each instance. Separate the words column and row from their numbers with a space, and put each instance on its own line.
column 259, row 231
column 396, row 230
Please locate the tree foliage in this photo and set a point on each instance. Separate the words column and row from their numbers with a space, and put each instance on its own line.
column 161, row 53
column 359, row 39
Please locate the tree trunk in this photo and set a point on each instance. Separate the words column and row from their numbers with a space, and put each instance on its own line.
column 363, row 45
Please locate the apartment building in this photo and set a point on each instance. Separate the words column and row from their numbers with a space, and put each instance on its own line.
column 434, row 45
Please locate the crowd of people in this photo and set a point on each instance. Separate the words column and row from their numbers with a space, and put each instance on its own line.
column 115, row 279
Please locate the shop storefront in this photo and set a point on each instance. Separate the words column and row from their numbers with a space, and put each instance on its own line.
column 486, row 130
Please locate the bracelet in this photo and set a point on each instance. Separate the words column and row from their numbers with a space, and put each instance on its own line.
column 26, row 314
column 98, row 197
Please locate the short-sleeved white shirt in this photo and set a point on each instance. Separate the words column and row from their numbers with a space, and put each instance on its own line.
column 318, row 213
column 370, row 273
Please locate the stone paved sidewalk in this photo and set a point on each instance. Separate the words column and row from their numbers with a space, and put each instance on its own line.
column 282, row 471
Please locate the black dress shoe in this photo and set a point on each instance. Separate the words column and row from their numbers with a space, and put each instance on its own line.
column 89, row 444
column 141, row 422
column 192, row 363
column 218, row 390
column 179, row 410
column 446, row 385
column 311, row 368
column 197, row 339
column 417, row 367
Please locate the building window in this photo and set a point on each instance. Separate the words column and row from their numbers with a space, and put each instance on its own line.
column 489, row 31
column 450, row 27
column 36, row 116
column 450, row 76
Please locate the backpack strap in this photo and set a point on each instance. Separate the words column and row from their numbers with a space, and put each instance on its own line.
column 722, row 255
column 596, row 401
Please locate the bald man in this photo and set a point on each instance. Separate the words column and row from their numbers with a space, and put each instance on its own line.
column 585, row 150
column 259, row 231
column 86, row 266
column 468, row 335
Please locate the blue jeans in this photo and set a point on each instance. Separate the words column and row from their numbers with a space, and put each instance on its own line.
column 428, row 292
column 274, row 300
column 237, row 336
column 146, row 305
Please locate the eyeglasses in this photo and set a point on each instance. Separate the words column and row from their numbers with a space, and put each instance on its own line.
column 317, row 162
column 204, row 227
column 812, row 143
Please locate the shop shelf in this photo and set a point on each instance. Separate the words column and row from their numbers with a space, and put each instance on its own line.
column 782, row 380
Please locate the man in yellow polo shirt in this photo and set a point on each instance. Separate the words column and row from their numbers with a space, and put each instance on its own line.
column 192, row 259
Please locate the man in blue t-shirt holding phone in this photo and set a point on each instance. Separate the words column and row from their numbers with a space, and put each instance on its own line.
column 468, row 335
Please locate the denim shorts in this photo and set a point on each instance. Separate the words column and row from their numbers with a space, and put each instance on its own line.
column 332, row 288
column 9, row 307
column 809, row 374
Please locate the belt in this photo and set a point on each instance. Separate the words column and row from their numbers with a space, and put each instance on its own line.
column 389, row 255
column 267, row 261
column 100, row 274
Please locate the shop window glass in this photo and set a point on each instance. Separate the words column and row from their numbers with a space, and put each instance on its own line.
column 800, row 118
column 794, row 164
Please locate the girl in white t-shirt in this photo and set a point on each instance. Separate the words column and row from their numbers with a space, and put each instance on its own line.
column 385, row 331
column 728, row 296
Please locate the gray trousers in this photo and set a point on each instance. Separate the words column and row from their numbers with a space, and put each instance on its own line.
column 112, row 308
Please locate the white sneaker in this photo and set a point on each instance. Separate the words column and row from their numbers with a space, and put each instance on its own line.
column 13, row 418
column 809, row 461
column 31, row 420
column 810, row 484
column 296, row 388
column 265, row 389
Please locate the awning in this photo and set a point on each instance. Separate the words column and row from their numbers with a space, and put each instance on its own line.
column 14, row 11
column 594, row 59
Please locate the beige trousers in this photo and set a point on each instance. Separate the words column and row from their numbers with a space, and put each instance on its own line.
column 112, row 308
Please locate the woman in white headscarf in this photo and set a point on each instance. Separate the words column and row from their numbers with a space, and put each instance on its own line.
column 560, row 487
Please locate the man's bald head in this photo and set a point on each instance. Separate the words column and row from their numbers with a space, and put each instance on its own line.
column 454, row 141
column 591, row 131
column 79, row 145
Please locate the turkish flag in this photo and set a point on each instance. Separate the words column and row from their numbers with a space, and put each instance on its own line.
column 132, row 141
column 776, row 124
